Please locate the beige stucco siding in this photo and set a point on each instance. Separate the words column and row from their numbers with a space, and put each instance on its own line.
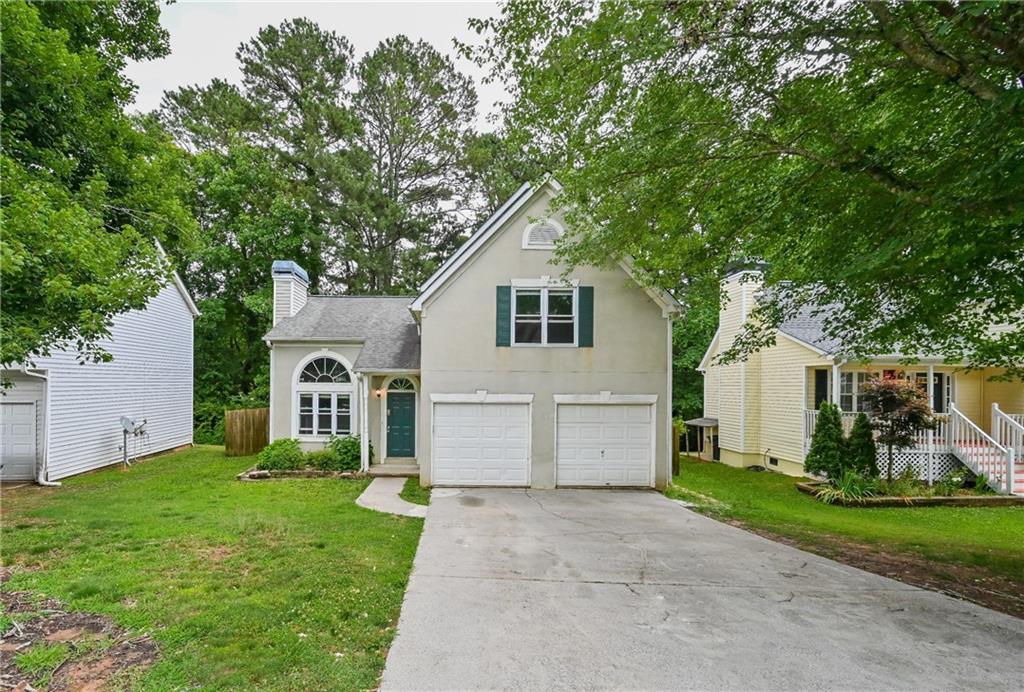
column 285, row 361
column 630, row 353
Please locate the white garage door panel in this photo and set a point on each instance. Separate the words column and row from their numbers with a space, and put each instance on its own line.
column 18, row 455
column 481, row 444
column 604, row 444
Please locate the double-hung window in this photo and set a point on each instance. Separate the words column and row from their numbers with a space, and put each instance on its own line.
column 544, row 316
column 851, row 391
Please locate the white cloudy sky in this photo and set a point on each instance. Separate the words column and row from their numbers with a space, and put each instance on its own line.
column 204, row 35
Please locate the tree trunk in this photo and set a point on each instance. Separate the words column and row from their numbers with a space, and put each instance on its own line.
column 889, row 447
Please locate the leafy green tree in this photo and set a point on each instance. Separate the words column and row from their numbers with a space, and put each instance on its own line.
column 861, row 451
column 828, row 448
column 899, row 410
column 495, row 168
column 86, row 189
column 416, row 112
column 691, row 334
column 292, row 103
column 868, row 151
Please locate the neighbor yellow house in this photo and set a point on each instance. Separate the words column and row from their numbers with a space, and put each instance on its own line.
column 762, row 411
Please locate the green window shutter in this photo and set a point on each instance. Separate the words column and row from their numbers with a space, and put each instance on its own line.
column 586, row 298
column 503, row 329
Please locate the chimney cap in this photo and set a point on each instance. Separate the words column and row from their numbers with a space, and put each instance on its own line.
column 736, row 268
column 288, row 268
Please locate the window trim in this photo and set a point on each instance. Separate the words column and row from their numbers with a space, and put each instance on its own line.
column 332, row 389
column 543, row 290
column 527, row 245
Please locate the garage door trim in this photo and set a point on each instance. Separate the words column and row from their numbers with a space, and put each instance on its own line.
column 482, row 396
column 650, row 400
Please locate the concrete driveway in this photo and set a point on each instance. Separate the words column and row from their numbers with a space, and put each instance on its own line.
column 580, row 589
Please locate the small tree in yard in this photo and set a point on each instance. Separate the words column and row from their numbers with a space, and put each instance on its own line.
column 828, row 448
column 899, row 410
column 861, row 449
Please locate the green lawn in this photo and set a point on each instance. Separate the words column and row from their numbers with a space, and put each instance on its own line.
column 274, row 585
column 413, row 492
column 988, row 537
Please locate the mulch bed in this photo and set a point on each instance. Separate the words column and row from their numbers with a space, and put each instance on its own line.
column 88, row 667
column 959, row 581
column 812, row 488
column 255, row 474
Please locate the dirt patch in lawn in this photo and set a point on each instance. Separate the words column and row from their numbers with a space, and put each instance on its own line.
column 93, row 650
column 960, row 581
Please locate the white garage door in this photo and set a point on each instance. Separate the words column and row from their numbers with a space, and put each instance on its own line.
column 604, row 444
column 481, row 444
column 18, row 447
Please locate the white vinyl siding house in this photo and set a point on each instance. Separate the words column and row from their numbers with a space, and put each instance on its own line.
column 79, row 406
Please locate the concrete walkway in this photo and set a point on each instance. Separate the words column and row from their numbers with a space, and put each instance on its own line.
column 580, row 589
column 382, row 495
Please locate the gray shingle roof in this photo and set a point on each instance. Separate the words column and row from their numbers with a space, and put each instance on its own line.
column 383, row 323
column 810, row 328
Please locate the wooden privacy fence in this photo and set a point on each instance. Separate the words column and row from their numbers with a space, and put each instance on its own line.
column 246, row 431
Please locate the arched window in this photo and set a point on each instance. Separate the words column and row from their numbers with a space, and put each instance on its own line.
column 325, row 399
column 401, row 384
column 325, row 371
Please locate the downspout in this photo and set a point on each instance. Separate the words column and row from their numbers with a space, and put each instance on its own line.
column 41, row 472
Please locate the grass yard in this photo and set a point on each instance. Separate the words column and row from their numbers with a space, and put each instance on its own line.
column 985, row 541
column 414, row 493
column 282, row 584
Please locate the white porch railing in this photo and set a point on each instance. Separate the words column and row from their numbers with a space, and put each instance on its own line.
column 1008, row 430
column 924, row 441
column 980, row 452
column 999, row 456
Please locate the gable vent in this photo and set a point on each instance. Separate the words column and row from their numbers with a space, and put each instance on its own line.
column 542, row 235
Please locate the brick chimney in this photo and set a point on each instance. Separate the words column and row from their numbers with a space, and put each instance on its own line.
column 291, row 288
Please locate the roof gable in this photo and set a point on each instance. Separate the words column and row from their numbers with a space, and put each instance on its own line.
column 497, row 221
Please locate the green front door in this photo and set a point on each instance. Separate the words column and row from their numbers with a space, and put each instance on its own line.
column 401, row 424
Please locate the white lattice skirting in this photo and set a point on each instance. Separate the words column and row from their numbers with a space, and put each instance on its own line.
column 942, row 463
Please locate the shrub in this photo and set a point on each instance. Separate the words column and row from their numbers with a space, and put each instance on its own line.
column 343, row 454
column 904, row 485
column 320, row 459
column 281, row 455
column 208, row 423
column 861, row 451
column 951, row 483
column 828, row 448
column 850, row 486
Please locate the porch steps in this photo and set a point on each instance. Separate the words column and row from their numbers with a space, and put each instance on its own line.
column 393, row 469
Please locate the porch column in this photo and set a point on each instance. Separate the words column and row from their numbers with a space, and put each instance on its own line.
column 364, row 427
column 835, row 384
column 930, row 387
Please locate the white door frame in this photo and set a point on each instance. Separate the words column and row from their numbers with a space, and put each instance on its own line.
column 384, row 413
column 650, row 400
column 481, row 396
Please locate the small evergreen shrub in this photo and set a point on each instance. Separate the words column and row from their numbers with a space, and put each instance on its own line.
column 281, row 455
column 825, row 458
column 861, row 451
column 320, row 459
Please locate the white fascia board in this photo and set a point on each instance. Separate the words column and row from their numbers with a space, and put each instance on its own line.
column 178, row 283
column 606, row 398
column 805, row 344
column 489, row 227
column 669, row 305
column 707, row 354
column 544, row 282
column 482, row 396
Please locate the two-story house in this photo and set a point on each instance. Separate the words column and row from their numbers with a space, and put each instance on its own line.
column 507, row 369
column 763, row 411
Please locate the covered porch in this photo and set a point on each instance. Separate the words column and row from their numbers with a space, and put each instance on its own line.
column 981, row 421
